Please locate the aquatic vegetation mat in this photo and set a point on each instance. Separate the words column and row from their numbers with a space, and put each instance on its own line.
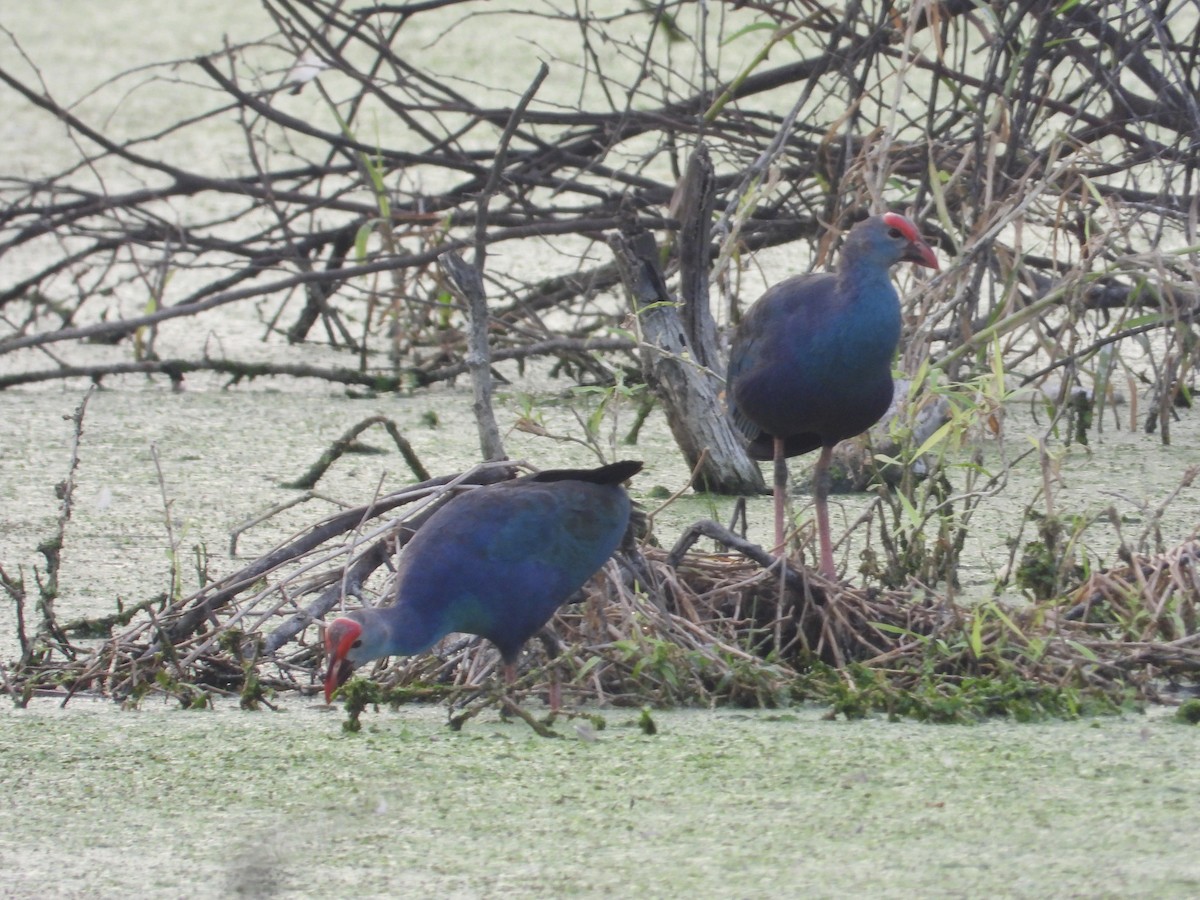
column 1070, row 269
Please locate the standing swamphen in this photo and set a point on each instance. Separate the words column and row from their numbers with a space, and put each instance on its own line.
column 811, row 362
column 496, row 561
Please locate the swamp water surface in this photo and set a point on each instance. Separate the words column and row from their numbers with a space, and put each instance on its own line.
column 169, row 803
column 164, row 803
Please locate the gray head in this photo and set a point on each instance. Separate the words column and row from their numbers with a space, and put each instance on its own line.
column 886, row 240
column 351, row 640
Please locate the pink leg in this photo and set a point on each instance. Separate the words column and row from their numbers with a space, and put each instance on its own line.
column 781, row 481
column 555, row 692
column 821, row 501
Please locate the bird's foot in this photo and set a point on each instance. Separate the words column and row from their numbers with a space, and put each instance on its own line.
column 508, row 708
column 541, row 727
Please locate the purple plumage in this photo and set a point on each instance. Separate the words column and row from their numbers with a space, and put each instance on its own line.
column 811, row 361
column 496, row 561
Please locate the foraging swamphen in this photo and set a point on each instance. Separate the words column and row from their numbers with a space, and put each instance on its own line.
column 811, row 362
column 496, row 561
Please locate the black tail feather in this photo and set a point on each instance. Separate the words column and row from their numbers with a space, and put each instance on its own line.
column 613, row 473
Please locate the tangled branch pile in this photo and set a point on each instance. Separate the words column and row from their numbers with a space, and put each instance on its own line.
column 1052, row 150
column 658, row 627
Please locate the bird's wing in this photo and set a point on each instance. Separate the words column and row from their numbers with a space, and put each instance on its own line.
column 757, row 342
column 740, row 354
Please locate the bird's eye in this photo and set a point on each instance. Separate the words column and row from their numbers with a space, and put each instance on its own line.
column 894, row 232
column 357, row 643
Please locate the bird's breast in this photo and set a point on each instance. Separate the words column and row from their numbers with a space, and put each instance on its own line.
column 824, row 365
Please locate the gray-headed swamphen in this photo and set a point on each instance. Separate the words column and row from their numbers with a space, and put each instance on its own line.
column 811, row 361
column 495, row 561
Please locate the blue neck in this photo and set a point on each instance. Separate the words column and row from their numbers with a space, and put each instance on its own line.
column 412, row 629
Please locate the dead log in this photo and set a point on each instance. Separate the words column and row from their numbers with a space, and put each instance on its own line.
column 688, row 391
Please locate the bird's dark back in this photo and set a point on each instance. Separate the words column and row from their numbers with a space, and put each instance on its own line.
column 499, row 560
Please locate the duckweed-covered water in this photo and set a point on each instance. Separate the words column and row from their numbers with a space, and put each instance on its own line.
column 163, row 802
